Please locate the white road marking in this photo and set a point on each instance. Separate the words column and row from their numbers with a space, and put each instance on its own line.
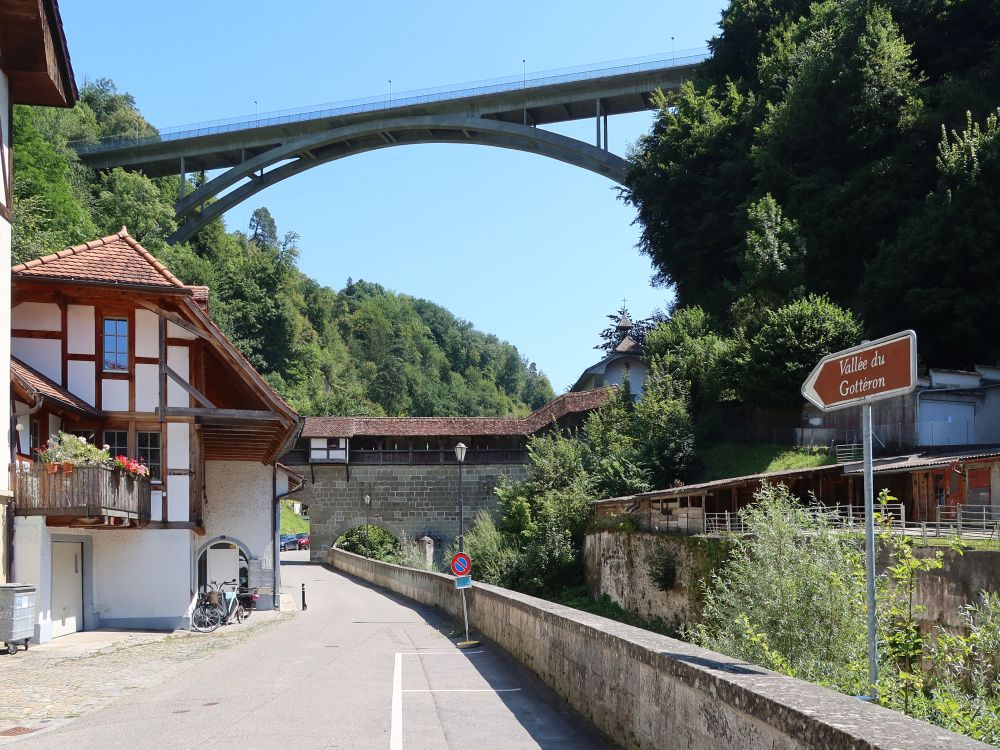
column 396, row 721
column 461, row 690
column 396, row 727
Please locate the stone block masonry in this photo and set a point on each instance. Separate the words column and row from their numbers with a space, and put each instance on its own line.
column 648, row 691
column 412, row 500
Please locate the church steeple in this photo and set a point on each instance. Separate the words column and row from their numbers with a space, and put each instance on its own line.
column 624, row 323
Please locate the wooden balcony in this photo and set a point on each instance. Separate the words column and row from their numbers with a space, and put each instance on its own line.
column 90, row 495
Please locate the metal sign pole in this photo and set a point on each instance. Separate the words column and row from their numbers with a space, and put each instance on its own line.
column 866, row 414
column 465, row 615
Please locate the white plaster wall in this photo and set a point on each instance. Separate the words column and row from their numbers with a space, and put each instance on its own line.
column 615, row 374
column 156, row 505
column 142, row 573
column 37, row 316
column 176, row 332
column 147, row 385
column 33, row 566
column 146, row 334
column 238, row 499
column 177, row 358
column 80, row 329
column 81, row 380
column 55, row 424
column 178, row 486
column 114, row 395
column 5, row 314
column 42, row 354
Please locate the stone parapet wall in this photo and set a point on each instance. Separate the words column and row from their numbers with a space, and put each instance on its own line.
column 410, row 500
column 649, row 691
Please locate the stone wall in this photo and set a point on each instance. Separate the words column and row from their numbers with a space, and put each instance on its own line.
column 411, row 500
column 618, row 564
column 650, row 691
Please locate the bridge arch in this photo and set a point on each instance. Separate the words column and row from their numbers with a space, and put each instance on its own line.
column 395, row 530
column 305, row 152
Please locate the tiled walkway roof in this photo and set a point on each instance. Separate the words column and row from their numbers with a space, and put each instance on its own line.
column 568, row 403
column 35, row 383
column 115, row 259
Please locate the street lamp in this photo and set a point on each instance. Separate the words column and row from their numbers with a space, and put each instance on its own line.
column 368, row 543
column 460, row 455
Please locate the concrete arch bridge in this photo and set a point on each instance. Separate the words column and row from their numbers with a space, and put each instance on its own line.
column 255, row 153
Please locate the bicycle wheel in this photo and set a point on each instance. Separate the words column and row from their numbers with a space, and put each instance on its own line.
column 205, row 618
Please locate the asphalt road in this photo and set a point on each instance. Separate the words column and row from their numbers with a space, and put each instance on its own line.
column 358, row 669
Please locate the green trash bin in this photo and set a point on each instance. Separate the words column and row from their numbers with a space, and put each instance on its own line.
column 17, row 615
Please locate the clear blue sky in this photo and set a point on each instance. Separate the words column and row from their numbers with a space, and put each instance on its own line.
column 533, row 250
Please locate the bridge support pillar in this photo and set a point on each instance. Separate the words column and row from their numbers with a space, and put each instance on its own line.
column 183, row 179
column 597, row 121
column 605, row 131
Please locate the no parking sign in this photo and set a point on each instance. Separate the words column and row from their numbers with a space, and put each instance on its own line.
column 461, row 564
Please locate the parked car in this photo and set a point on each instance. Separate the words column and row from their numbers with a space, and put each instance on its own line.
column 303, row 540
column 287, row 542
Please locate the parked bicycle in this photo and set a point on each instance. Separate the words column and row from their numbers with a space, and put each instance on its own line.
column 220, row 604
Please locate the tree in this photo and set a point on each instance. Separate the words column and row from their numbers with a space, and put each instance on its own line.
column 936, row 277
column 789, row 343
column 666, row 429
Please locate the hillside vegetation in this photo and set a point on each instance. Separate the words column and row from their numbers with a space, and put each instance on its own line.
column 362, row 350
column 844, row 148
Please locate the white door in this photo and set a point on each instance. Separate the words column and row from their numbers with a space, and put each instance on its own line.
column 223, row 563
column 67, row 588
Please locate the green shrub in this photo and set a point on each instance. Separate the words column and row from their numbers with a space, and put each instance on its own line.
column 663, row 568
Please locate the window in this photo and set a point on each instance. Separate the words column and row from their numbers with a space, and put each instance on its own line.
column 149, row 452
column 34, row 436
column 115, row 345
column 117, row 442
column 328, row 449
column 88, row 435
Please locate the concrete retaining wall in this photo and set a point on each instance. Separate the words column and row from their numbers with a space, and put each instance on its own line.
column 649, row 691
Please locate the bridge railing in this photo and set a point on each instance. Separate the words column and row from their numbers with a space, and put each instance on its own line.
column 663, row 61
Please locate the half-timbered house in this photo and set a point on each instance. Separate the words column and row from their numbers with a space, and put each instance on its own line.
column 107, row 344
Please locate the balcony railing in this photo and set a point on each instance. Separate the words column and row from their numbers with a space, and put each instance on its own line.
column 90, row 491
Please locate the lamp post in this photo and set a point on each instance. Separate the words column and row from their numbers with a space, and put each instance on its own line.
column 368, row 544
column 460, row 455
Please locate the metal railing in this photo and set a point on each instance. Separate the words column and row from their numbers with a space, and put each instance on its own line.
column 971, row 522
column 87, row 491
column 662, row 61
column 959, row 521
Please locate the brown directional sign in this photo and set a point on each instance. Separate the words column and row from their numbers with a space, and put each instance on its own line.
column 870, row 372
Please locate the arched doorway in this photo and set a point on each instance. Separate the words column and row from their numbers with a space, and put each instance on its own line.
column 220, row 560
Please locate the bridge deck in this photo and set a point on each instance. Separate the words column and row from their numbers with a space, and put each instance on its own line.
column 542, row 101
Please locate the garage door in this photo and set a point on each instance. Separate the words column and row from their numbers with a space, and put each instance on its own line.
column 947, row 423
column 67, row 588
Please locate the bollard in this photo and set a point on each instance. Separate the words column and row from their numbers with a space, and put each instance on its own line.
column 304, row 608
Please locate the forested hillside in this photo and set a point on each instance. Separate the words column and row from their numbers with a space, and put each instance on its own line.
column 362, row 350
column 849, row 148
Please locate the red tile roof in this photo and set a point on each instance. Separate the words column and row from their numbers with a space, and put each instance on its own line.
column 115, row 259
column 37, row 384
column 567, row 403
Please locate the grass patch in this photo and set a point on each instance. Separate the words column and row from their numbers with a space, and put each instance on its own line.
column 725, row 460
column 291, row 522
